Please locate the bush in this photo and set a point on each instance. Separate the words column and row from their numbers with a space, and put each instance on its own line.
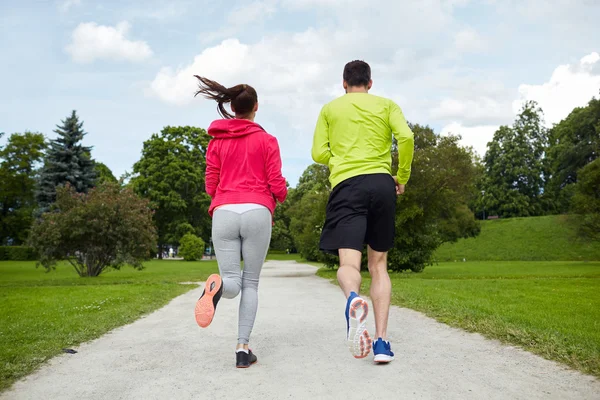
column 17, row 253
column 107, row 227
column 191, row 247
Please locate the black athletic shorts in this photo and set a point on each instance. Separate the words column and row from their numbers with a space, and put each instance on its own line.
column 361, row 210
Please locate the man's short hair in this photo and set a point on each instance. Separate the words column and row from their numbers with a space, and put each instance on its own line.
column 357, row 73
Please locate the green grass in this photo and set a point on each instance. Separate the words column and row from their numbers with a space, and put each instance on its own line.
column 41, row 313
column 549, row 238
column 549, row 308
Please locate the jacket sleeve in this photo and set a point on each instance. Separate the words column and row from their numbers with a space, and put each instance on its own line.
column 213, row 169
column 277, row 183
column 406, row 142
column 321, row 152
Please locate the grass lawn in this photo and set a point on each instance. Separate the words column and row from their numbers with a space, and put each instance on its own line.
column 42, row 313
column 548, row 238
column 549, row 308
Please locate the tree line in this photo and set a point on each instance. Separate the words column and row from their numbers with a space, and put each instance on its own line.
column 528, row 170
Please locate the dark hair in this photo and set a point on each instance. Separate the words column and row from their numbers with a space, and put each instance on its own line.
column 357, row 73
column 243, row 97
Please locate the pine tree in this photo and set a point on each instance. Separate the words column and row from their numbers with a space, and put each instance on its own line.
column 67, row 161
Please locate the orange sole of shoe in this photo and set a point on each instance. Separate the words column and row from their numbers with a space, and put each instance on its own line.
column 365, row 340
column 205, row 309
column 366, row 344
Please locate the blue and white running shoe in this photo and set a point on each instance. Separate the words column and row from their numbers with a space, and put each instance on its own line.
column 359, row 341
column 382, row 351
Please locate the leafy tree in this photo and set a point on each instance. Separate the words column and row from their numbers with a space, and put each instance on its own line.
column 307, row 219
column 191, row 247
column 170, row 174
column 306, row 210
column 514, row 166
column 573, row 143
column 586, row 201
column 103, row 173
column 18, row 167
column 67, row 161
column 107, row 227
column 314, row 179
column 434, row 208
column 281, row 237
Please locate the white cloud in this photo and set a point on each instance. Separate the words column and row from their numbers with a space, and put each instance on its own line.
column 91, row 42
column 469, row 40
column 307, row 63
column 66, row 5
column 475, row 136
column 223, row 63
column 570, row 86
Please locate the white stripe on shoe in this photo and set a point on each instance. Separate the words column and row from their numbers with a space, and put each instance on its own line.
column 359, row 341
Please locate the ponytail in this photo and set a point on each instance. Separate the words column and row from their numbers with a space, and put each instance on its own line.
column 242, row 97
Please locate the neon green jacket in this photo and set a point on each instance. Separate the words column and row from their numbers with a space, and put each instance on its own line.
column 353, row 137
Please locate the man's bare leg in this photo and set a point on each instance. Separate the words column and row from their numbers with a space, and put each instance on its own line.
column 357, row 309
column 381, row 291
column 348, row 274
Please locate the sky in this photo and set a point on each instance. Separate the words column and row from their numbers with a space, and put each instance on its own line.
column 460, row 66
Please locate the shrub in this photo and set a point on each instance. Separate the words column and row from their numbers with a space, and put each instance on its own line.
column 191, row 247
column 107, row 227
column 17, row 253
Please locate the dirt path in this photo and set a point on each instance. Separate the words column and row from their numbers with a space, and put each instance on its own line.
column 299, row 341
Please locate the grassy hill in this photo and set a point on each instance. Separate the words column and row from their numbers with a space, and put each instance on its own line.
column 548, row 238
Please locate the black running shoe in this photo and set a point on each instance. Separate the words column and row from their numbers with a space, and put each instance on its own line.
column 244, row 360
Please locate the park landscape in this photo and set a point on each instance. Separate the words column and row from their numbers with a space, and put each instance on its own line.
column 106, row 239
column 84, row 256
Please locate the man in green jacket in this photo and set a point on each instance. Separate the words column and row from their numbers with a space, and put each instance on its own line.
column 353, row 137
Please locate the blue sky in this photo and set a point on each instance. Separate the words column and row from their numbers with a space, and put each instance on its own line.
column 459, row 66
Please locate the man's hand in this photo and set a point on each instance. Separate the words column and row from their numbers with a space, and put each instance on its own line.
column 399, row 187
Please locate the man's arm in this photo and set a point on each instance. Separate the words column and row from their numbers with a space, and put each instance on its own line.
column 406, row 142
column 321, row 153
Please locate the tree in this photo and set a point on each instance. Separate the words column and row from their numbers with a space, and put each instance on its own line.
column 103, row 173
column 306, row 211
column 18, row 168
column 107, row 227
column 67, row 161
column 434, row 208
column 514, row 168
column 191, row 247
column 586, row 201
column 281, row 237
column 573, row 143
column 170, row 174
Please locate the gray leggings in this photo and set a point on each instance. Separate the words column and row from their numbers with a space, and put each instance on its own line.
column 233, row 235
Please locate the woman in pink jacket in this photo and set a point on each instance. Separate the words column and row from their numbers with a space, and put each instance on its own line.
column 243, row 178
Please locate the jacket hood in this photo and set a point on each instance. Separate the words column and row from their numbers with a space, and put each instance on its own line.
column 230, row 128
